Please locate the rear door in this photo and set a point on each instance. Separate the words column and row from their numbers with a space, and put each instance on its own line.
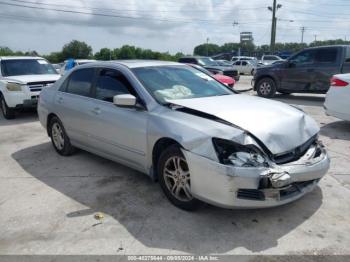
column 326, row 64
column 73, row 104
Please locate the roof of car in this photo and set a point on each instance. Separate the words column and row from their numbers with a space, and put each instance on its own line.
column 140, row 63
column 19, row 57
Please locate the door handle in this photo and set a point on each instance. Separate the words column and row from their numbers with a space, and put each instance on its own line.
column 96, row 111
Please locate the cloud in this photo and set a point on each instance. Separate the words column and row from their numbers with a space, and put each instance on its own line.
column 167, row 25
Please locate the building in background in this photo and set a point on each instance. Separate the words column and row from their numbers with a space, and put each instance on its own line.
column 247, row 38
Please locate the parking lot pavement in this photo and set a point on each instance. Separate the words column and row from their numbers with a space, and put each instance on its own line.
column 48, row 203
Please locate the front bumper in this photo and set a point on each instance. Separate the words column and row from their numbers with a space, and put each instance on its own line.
column 22, row 99
column 239, row 187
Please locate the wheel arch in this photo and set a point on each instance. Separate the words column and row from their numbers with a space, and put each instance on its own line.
column 49, row 117
column 266, row 76
column 160, row 145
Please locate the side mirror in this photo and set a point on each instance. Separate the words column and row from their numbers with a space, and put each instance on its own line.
column 125, row 100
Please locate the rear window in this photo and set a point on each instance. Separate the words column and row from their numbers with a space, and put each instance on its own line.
column 17, row 67
column 268, row 57
column 80, row 82
column 347, row 55
column 326, row 55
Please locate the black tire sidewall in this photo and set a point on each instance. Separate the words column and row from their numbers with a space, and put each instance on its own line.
column 10, row 113
column 67, row 148
column 174, row 150
column 272, row 84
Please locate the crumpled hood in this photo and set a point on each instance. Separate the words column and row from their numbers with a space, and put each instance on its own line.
column 279, row 126
column 24, row 79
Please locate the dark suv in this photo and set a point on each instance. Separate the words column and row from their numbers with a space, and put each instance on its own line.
column 308, row 71
column 211, row 65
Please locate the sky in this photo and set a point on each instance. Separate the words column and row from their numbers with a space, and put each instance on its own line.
column 165, row 25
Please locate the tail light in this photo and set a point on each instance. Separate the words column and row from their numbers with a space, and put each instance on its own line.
column 337, row 82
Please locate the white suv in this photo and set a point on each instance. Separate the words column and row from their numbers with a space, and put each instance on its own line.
column 21, row 80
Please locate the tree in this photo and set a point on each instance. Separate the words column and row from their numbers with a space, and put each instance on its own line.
column 206, row 49
column 104, row 54
column 76, row 49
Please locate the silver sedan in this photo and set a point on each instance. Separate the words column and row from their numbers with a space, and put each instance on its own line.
column 198, row 138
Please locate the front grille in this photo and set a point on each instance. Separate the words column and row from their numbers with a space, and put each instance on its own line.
column 295, row 188
column 38, row 86
column 251, row 194
column 295, row 154
column 279, row 194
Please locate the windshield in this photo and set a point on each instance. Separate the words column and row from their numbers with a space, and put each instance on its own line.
column 178, row 82
column 16, row 67
column 206, row 61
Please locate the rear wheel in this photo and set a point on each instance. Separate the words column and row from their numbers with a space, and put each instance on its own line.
column 266, row 87
column 59, row 138
column 8, row 113
column 175, row 179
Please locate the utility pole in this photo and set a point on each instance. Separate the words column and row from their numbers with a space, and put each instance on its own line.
column 274, row 9
column 302, row 33
column 315, row 37
column 207, row 46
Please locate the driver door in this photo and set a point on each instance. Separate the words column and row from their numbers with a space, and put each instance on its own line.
column 119, row 132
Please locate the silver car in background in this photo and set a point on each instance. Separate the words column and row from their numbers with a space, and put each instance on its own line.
column 198, row 138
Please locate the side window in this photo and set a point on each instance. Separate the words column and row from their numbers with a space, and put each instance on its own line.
column 110, row 83
column 326, row 55
column 244, row 63
column 80, row 82
column 238, row 63
column 305, row 57
column 347, row 56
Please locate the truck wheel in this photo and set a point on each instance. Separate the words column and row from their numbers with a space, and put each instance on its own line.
column 266, row 87
column 175, row 179
column 9, row 113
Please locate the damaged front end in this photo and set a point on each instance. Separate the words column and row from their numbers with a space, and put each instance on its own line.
column 250, row 177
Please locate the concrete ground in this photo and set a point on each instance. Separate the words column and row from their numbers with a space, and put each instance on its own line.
column 48, row 203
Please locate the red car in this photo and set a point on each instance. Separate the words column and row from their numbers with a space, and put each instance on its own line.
column 226, row 80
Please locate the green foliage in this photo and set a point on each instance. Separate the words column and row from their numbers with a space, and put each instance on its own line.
column 206, row 49
column 76, row 49
column 330, row 42
column 132, row 52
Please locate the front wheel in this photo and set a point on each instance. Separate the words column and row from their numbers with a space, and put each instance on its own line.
column 7, row 112
column 59, row 138
column 266, row 87
column 175, row 179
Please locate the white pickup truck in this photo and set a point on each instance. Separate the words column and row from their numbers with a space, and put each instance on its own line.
column 21, row 80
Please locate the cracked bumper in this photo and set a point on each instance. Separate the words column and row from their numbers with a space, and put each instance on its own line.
column 239, row 187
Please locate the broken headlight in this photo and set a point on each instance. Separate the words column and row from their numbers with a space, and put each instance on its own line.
column 231, row 153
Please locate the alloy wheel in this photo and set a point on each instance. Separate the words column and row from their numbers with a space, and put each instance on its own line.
column 57, row 136
column 177, row 178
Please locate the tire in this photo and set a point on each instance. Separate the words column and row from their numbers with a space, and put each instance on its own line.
column 8, row 113
column 266, row 87
column 252, row 72
column 177, row 177
column 59, row 138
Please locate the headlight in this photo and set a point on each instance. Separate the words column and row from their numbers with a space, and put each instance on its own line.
column 13, row 87
column 231, row 153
